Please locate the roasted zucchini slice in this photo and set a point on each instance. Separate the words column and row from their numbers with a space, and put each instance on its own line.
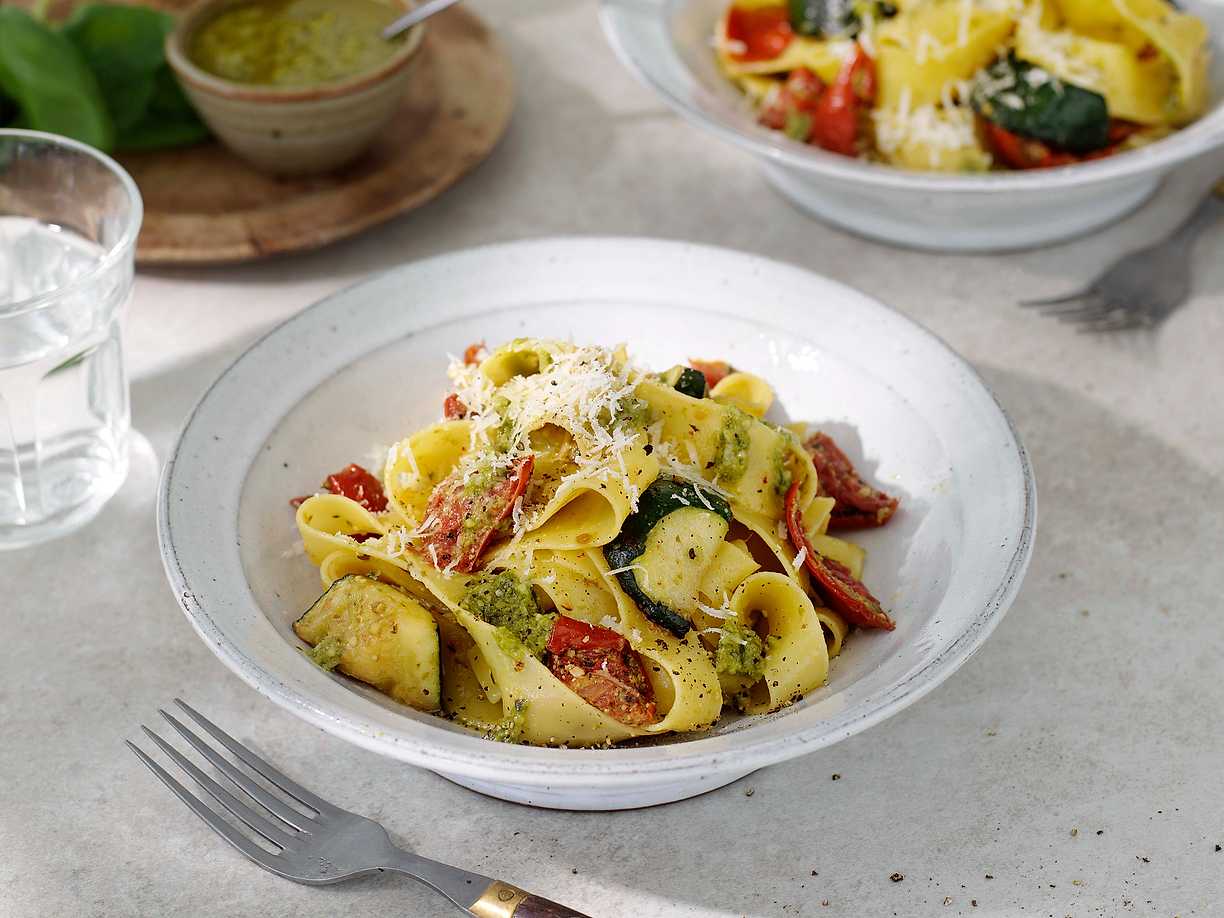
column 664, row 549
column 686, row 381
column 378, row 635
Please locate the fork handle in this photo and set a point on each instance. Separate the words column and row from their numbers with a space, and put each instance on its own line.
column 502, row 900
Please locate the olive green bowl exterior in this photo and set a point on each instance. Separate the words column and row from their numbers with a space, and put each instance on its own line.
column 292, row 130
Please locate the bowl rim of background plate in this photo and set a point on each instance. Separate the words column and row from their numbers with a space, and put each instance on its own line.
column 470, row 755
column 1200, row 136
column 187, row 70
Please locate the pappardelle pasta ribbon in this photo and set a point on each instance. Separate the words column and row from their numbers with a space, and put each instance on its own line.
column 583, row 552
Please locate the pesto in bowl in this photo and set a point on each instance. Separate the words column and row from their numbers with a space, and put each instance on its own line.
column 295, row 43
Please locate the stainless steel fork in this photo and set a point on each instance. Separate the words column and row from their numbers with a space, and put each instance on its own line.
column 315, row 842
column 1142, row 289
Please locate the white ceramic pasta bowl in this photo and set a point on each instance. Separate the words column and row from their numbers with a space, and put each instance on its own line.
column 365, row 366
column 667, row 44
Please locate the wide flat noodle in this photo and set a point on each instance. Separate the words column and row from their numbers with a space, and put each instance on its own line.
column 797, row 656
column 922, row 50
column 553, row 541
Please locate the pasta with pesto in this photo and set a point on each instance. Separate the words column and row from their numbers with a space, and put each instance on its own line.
column 968, row 85
column 582, row 552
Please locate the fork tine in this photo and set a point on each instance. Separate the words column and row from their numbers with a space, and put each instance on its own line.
column 1124, row 322
column 292, row 788
column 1094, row 308
column 240, row 810
column 286, row 814
column 1058, row 300
column 215, row 822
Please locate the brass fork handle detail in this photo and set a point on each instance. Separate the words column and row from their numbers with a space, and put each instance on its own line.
column 501, row 900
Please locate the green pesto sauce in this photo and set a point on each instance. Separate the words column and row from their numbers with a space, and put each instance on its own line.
column 731, row 450
column 501, row 438
column 509, row 643
column 326, row 654
column 510, row 728
column 296, row 42
column 483, row 477
column 740, row 652
column 781, row 466
column 504, row 600
column 634, row 412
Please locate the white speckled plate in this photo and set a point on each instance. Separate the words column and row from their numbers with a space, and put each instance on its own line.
column 362, row 368
column 666, row 43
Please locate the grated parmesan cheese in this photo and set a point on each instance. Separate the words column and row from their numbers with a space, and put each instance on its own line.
column 722, row 612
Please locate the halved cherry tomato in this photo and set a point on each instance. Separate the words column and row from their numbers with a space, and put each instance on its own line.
column 762, row 33
column 464, row 523
column 570, row 633
column 1023, row 152
column 599, row 666
column 357, row 484
column 859, row 505
column 800, row 94
column 1026, row 153
column 714, row 371
column 835, row 123
column 840, row 589
column 472, row 354
column 453, row 409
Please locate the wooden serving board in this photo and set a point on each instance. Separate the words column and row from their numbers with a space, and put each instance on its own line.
column 203, row 205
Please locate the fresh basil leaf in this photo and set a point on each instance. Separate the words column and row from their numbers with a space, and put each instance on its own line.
column 168, row 121
column 8, row 111
column 123, row 45
column 169, row 101
column 49, row 83
column 160, row 135
column 120, row 43
column 1026, row 100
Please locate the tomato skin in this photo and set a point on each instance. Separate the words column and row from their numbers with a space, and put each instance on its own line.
column 599, row 666
column 799, row 94
column 764, row 32
column 840, row 589
column 453, row 409
column 471, row 355
column 859, row 506
column 835, row 125
column 358, row 485
column 714, row 371
column 572, row 634
column 1020, row 152
column 450, row 507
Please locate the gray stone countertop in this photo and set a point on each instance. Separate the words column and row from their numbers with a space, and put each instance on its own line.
column 1071, row 768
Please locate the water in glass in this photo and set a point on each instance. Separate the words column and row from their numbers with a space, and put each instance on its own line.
column 64, row 414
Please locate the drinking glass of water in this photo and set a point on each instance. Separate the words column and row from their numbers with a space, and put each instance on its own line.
column 69, row 217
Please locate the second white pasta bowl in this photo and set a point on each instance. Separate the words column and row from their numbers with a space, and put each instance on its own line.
column 668, row 45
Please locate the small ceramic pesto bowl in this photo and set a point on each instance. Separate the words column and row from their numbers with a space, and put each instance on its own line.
column 293, row 130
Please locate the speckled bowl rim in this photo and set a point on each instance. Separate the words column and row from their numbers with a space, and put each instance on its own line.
column 467, row 754
column 189, row 72
column 1199, row 137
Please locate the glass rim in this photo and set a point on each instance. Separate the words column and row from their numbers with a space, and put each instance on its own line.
column 114, row 254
